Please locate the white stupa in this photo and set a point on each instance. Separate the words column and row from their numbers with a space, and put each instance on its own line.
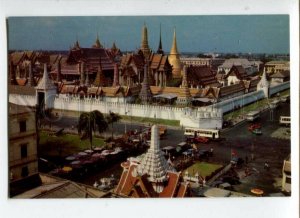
column 154, row 164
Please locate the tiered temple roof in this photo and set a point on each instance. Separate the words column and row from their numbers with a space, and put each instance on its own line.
column 153, row 177
column 184, row 96
column 201, row 76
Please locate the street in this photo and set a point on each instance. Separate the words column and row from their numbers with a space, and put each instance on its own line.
column 257, row 149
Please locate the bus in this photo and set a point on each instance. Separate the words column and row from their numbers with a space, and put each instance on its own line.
column 252, row 115
column 285, row 120
column 208, row 133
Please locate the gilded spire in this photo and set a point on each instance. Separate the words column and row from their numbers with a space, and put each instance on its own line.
column 97, row 43
column 160, row 50
column 184, row 96
column 174, row 50
column 174, row 58
column 144, row 45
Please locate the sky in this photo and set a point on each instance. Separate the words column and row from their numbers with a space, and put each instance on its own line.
column 228, row 33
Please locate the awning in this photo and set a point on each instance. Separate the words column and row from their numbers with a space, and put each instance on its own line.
column 166, row 96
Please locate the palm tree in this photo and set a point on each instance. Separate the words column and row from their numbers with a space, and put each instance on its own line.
column 111, row 119
column 89, row 122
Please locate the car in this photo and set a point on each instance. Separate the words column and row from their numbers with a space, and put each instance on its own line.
column 200, row 139
column 257, row 131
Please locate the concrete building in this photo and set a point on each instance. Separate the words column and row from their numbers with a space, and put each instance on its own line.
column 280, row 77
column 276, row 66
column 249, row 67
column 23, row 160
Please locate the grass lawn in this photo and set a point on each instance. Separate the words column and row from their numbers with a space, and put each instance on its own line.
column 66, row 144
column 151, row 120
column 204, row 169
column 251, row 107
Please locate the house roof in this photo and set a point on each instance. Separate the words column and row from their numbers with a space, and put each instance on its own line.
column 238, row 71
column 281, row 74
column 201, row 75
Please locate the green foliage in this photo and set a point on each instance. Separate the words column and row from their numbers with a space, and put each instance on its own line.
column 64, row 145
column 89, row 122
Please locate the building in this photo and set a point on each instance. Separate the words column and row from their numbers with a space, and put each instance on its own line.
column 82, row 64
column 57, row 188
column 201, row 76
column 195, row 61
column 23, row 160
column 153, row 176
column 276, row 66
column 280, row 77
column 249, row 67
column 235, row 75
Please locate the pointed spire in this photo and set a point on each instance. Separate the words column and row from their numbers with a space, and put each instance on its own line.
column 160, row 50
column 144, row 45
column 97, row 43
column 116, row 75
column 174, row 58
column 145, row 94
column 76, row 45
column 100, row 78
column 184, row 96
column 30, row 76
column 82, row 76
column 114, row 47
column 45, row 83
column 174, row 50
column 154, row 164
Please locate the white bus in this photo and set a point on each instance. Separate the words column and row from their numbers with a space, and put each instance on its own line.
column 208, row 133
column 252, row 115
column 285, row 120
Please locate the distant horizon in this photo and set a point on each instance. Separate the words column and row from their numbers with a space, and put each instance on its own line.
column 231, row 34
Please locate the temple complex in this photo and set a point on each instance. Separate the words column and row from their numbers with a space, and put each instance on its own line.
column 153, row 176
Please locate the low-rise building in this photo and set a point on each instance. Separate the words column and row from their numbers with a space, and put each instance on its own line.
column 23, row 161
column 280, row 77
column 276, row 66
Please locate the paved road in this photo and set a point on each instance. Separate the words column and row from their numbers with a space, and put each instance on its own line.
column 261, row 148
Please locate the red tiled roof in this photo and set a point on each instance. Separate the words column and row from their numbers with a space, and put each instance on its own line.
column 182, row 190
column 237, row 71
column 169, row 190
column 201, row 75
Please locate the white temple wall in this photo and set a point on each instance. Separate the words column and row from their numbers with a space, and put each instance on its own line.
column 274, row 88
column 29, row 100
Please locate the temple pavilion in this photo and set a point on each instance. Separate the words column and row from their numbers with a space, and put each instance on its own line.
column 153, row 176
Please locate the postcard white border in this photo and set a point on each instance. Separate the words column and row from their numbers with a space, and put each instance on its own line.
column 239, row 207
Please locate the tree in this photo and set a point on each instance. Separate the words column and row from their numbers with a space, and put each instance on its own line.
column 111, row 119
column 89, row 122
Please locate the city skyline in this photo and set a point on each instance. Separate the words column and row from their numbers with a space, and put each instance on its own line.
column 229, row 34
